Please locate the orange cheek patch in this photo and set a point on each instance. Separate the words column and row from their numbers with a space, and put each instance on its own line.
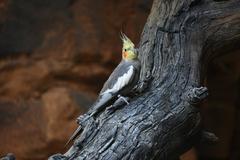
column 124, row 54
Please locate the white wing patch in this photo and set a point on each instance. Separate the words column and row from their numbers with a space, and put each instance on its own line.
column 121, row 81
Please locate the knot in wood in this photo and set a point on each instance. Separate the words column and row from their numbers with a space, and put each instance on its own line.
column 196, row 95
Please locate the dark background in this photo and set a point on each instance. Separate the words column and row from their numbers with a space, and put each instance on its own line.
column 56, row 54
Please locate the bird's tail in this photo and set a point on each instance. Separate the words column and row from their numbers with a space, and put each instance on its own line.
column 74, row 135
column 103, row 101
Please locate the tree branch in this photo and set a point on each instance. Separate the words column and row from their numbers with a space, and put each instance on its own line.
column 163, row 122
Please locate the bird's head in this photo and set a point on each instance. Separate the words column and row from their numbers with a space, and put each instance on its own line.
column 128, row 51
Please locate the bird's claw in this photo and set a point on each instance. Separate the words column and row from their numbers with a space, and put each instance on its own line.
column 117, row 104
column 123, row 98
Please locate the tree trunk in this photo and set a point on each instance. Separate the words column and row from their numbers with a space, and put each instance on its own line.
column 178, row 40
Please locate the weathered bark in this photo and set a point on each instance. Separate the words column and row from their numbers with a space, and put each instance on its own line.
column 178, row 40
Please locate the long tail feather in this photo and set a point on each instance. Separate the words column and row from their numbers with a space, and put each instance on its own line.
column 103, row 101
column 74, row 135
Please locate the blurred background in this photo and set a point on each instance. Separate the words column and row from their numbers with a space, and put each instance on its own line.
column 54, row 57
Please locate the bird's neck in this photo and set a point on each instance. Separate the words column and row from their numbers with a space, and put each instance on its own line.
column 129, row 59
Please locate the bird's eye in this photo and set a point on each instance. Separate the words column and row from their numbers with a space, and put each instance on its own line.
column 125, row 50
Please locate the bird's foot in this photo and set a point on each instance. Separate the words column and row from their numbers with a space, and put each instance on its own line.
column 118, row 103
column 124, row 99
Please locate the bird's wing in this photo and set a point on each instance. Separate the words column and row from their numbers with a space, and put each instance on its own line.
column 119, row 79
column 123, row 74
column 121, row 82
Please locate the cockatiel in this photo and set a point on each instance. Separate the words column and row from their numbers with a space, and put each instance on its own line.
column 122, row 80
column 120, row 83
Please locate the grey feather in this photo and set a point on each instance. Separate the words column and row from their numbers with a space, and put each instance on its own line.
column 107, row 98
column 104, row 98
column 119, row 71
column 101, row 102
column 74, row 135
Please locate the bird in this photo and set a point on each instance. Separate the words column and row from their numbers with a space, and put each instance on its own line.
column 120, row 83
column 122, row 80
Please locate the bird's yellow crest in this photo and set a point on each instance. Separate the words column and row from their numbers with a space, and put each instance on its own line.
column 128, row 50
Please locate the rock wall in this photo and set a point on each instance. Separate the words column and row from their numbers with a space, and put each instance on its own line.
column 54, row 57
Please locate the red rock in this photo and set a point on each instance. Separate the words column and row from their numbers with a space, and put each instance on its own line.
column 55, row 58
